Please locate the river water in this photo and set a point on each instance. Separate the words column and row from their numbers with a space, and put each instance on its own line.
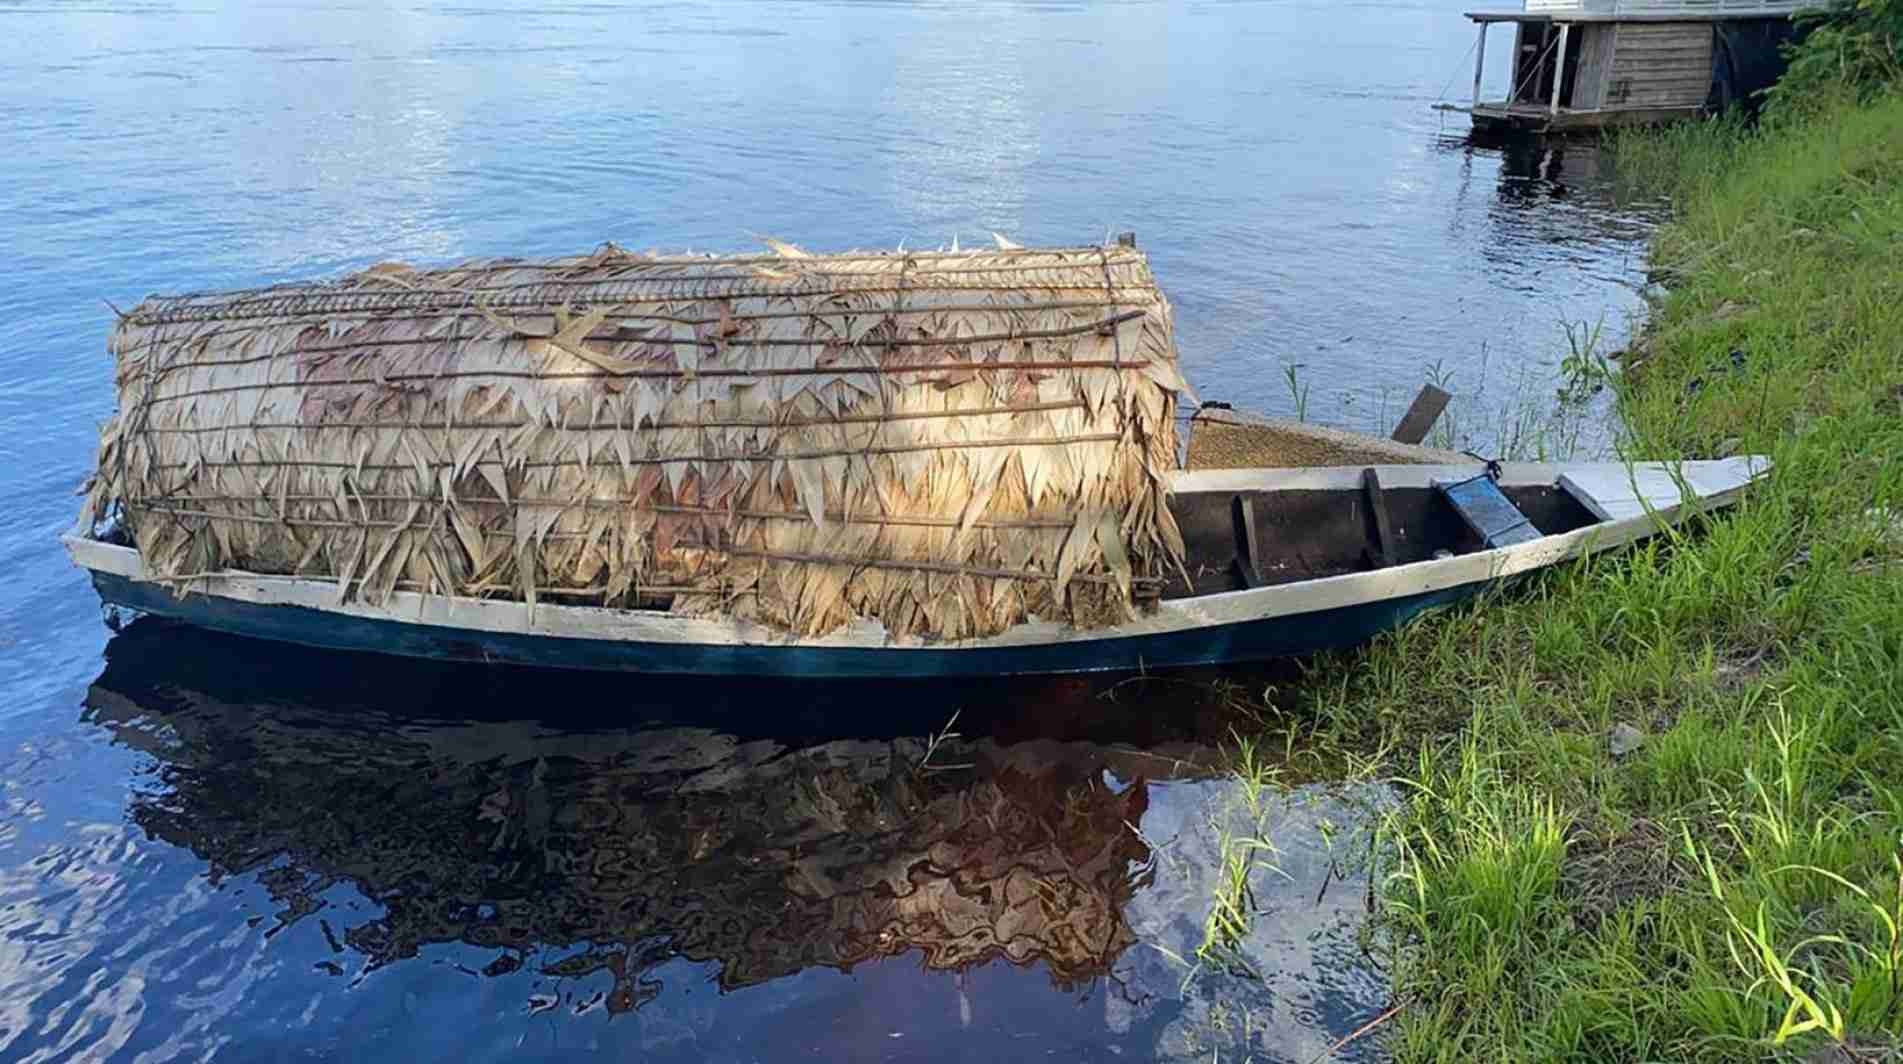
column 211, row 849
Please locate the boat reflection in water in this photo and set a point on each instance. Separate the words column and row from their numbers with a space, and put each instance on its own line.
column 611, row 870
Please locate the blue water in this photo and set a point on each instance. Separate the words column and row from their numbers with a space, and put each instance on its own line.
column 184, row 831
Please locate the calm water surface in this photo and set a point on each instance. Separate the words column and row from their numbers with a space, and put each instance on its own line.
column 208, row 849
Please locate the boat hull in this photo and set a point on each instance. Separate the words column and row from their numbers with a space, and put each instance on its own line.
column 1265, row 638
column 1254, row 623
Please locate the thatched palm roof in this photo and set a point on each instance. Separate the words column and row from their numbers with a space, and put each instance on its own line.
column 945, row 442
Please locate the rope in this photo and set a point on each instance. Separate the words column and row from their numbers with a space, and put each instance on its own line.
column 635, row 262
column 652, row 426
column 610, row 462
column 1450, row 80
column 1063, row 520
column 750, row 552
column 270, row 304
column 371, row 316
column 772, row 371
column 515, row 328
column 1493, row 467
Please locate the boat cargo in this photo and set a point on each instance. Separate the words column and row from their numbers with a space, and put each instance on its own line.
column 857, row 464
column 947, row 443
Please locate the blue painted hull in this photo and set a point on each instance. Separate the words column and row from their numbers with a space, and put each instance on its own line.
column 1259, row 640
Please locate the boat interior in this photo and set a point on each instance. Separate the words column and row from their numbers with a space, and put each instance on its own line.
column 1238, row 540
column 1234, row 540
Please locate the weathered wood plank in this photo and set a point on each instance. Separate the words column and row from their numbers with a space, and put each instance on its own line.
column 1536, row 119
column 1488, row 512
column 1595, row 61
column 1480, row 60
column 1378, row 509
column 1686, row 96
column 1642, row 30
column 1687, row 57
column 1666, row 85
column 1559, row 65
column 1247, row 542
column 1421, row 415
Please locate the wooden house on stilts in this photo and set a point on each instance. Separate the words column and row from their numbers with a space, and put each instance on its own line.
column 1588, row 64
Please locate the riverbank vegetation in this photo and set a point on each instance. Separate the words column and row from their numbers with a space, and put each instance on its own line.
column 1650, row 805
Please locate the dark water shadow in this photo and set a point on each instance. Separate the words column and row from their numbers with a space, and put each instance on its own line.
column 1202, row 705
column 604, row 846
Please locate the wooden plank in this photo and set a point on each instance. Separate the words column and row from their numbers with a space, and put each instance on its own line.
column 1595, row 61
column 1615, row 492
column 1685, row 64
column 1488, row 512
column 1378, row 508
column 1688, row 66
column 1670, row 89
column 1656, row 78
column 1630, row 50
column 1666, row 31
column 1662, row 30
column 1480, row 61
column 1680, row 70
column 1687, row 98
column 1669, row 92
column 1247, row 549
column 1663, row 73
column 1421, row 415
column 1559, row 65
column 1605, row 118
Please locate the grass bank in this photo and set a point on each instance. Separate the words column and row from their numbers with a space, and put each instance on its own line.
column 1731, row 888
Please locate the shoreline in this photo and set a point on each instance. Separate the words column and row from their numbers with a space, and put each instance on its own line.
column 1650, row 804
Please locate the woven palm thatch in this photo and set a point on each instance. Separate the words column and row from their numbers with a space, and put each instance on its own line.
column 947, row 443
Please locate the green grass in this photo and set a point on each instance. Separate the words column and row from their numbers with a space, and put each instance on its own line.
column 1730, row 890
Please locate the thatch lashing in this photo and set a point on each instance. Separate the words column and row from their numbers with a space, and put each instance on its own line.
column 947, row 443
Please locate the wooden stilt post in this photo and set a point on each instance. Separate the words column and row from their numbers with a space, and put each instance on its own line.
column 1480, row 62
column 1559, row 66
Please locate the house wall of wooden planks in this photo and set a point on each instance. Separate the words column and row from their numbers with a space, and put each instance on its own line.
column 1592, row 69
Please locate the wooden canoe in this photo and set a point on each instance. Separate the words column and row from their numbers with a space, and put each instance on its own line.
column 1281, row 562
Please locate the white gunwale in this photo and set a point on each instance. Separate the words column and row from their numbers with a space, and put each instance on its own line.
column 1661, row 492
